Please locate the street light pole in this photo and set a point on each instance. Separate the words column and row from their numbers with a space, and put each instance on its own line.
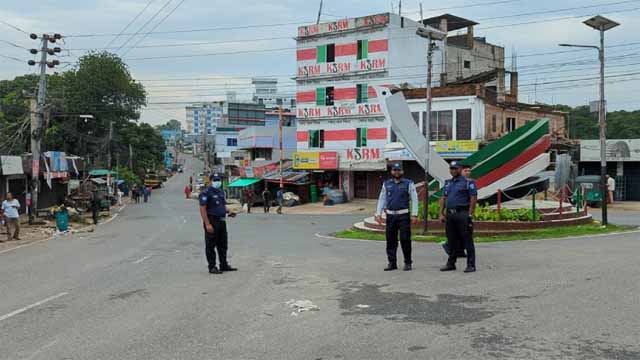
column 430, row 34
column 427, row 126
column 602, row 122
column 601, row 24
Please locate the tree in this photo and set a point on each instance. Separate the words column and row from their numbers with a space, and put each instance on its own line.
column 100, row 85
column 172, row 124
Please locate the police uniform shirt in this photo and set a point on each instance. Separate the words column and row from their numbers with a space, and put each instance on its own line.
column 215, row 202
column 459, row 191
column 398, row 196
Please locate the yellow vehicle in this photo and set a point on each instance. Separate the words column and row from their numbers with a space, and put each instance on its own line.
column 153, row 180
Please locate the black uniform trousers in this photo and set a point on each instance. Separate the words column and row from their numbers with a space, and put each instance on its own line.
column 216, row 241
column 398, row 224
column 459, row 229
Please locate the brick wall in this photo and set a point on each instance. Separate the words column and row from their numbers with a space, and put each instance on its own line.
column 556, row 124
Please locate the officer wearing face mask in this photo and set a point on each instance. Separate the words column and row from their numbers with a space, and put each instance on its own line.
column 213, row 211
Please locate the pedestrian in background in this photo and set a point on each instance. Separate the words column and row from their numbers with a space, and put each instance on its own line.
column 10, row 209
column 457, row 205
column 266, row 199
column 248, row 198
column 280, row 199
column 213, row 211
column 187, row 191
column 146, row 193
column 396, row 196
column 95, row 206
column 611, row 187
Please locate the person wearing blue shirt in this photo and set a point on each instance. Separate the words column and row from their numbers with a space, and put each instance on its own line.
column 396, row 197
column 457, row 204
column 213, row 211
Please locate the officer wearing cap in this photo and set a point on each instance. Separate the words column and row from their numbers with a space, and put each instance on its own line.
column 396, row 196
column 457, row 205
column 213, row 211
column 466, row 172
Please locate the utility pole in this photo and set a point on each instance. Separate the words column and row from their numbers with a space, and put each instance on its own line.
column 205, row 155
column 319, row 13
column 109, row 144
column 430, row 34
column 37, row 121
column 281, row 152
column 130, row 157
column 427, row 125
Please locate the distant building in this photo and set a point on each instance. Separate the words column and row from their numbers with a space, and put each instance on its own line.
column 242, row 114
column 272, row 118
column 203, row 117
column 266, row 92
column 226, row 142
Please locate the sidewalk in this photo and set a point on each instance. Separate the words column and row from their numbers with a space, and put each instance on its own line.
column 623, row 206
column 47, row 228
column 358, row 206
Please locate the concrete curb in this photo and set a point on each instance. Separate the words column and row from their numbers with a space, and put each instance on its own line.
column 328, row 237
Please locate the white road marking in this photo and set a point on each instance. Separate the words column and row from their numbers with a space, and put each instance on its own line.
column 141, row 259
column 109, row 220
column 44, row 301
column 24, row 245
column 39, row 351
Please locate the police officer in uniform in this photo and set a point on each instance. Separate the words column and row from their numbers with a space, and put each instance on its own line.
column 466, row 172
column 456, row 209
column 213, row 211
column 396, row 196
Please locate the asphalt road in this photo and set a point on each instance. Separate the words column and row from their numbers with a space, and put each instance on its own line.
column 138, row 288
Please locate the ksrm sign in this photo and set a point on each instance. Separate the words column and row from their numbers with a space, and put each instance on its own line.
column 617, row 150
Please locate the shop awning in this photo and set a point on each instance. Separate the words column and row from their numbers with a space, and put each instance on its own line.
column 101, row 172
column 242, row 182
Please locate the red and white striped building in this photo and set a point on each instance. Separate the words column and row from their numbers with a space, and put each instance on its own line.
column 338, row 63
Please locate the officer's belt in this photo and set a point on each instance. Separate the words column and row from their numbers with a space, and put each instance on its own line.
column 397, row 212
column 458, row 210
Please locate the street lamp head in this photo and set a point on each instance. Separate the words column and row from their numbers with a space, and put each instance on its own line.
column 601, row 23
column 429, row 32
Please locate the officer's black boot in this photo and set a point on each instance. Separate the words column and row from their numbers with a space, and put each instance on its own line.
column 214, row 270
column 451, row 265
column 407, row 267
column 227, row 267
column 391, row 266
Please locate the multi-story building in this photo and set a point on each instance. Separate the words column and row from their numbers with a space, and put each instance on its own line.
column 203, row 118
column 266, row 92
column 338, row 65
column 242, row 114
column 226, row 142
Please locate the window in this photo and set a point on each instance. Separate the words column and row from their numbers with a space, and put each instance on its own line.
column 463, row 124
column 416, row 117
column 326, row 53
column 467, row 64
column 363, row 93
column 232, row 142
column 316, row 138
column 324, row 96
column 441, row 126
column 394, row 136
column 494, row 123
column 363, row 49
column 361, row 137
column 510, row 124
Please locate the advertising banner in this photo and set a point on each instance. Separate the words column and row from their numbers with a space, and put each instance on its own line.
column 314, row 160
column 459, row 148
column 617, row 150
column 11, row 165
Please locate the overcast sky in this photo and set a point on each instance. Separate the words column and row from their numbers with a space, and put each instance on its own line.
column 530, row 28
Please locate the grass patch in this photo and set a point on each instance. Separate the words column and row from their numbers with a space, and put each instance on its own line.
column 548, row 233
